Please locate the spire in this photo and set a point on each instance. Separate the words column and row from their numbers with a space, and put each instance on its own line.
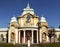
column 28, row 6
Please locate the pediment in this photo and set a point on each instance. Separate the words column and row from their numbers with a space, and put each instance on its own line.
column 28, row 14
column 28, row 20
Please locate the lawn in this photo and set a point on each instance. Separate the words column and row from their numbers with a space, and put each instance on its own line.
column 51, row 45
column 40, row 45
column 8, row 45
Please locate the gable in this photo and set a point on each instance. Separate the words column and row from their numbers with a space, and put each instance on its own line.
column 28, row 14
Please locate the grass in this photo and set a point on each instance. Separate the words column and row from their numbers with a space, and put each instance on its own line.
column 40, row 45
column 51, row 45
column 8, row 45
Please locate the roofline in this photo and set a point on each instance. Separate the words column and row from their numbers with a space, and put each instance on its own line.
column 3, row 29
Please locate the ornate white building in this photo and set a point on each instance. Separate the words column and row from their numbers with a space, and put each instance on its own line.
column 27, row 26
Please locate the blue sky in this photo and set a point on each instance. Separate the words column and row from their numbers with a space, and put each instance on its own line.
column 49, row 8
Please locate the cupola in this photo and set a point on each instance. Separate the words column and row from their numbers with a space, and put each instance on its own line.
column 43, row 19
column 13, row 19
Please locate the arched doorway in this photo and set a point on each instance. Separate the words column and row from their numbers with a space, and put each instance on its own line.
column 28, row 36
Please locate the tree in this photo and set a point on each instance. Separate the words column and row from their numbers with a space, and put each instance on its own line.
column 59, row 26
column 59, row 38
column 50, row 35
column 2, row 37
column 54, row 35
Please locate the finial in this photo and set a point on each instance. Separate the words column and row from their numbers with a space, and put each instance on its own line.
column 42, row 15
column 28, row 5
column 14, row 16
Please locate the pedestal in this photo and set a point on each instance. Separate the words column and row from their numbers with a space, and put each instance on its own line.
column 28, row 43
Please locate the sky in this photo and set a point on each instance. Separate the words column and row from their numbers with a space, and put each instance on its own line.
column 50, row 9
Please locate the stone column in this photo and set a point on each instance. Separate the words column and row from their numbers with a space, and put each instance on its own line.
column 24, row 36
column 32, row 36
column 40, row 36
column 16, row 35
column 37, row 36
column 19, row 36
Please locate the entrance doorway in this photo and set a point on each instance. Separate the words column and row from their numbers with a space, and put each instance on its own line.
column 28, row 36
column 22, row 37
column 35, row 36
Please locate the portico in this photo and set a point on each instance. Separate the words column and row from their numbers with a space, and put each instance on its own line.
column 28, row 34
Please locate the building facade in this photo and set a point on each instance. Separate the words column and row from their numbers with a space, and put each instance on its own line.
column 27, row 26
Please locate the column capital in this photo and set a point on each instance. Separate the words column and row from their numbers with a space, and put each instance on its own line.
column 24, row 30
column 37, row 30
column 32, row 30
